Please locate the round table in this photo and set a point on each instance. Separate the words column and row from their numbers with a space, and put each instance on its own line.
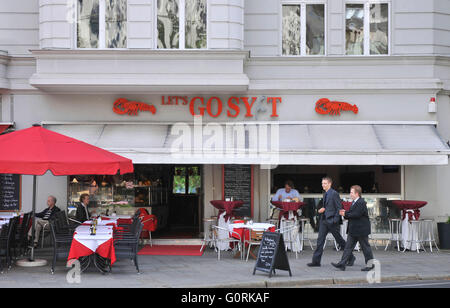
column 410, row 211
column 243, row 230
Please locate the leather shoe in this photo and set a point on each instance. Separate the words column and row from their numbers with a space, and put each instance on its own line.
column 366, row 269
column 313, row 264
column 339, row 266
column 351, row 261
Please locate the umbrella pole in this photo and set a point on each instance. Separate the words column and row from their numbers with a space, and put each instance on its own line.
column 33, row 225
column 31, row 262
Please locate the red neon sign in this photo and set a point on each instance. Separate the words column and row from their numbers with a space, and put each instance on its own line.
column 123, row 106
column 325, row 106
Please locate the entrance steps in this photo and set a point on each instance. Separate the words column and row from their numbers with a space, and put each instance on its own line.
column 174, row 241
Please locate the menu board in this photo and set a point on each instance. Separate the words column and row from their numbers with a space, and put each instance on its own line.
column 272, row 254
column 10, row 186
column 238, row 183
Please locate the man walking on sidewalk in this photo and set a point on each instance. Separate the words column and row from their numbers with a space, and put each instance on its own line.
column 330, row 221
column 358, row 229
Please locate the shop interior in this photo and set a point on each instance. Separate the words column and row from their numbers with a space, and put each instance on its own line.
column 380, row 185
column 171, row 192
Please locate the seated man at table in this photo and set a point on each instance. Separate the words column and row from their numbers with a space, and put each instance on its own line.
column 287, row 193
column 82, row 209
column 43, row 217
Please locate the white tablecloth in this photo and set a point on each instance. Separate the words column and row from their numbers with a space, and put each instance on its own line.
column 292, row 235
column 406, row 234
column 83, row 235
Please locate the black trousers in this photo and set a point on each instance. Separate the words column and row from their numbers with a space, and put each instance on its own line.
column 324, row 229
column 351, row 243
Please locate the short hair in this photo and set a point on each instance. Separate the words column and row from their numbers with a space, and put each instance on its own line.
column 289, row 183
column 357, row 189
column 53, row 197
column 83, row 196
column 327, row 178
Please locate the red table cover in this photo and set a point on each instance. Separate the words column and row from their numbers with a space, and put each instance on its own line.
column 226, row 206
column 346, row 205
column 285, row 207
column 410, row 208
column 106, row 250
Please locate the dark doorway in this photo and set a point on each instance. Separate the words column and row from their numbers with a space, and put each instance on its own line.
column 184, row 208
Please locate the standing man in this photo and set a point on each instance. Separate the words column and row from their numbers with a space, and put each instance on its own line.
column 329, row 222
column 358, row 229
column 42, row 219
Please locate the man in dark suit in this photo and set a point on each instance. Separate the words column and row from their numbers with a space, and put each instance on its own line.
column 358, row 229
column 330, row 221
column 82, row 209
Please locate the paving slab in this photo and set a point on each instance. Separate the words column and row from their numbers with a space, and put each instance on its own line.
column 207, row 271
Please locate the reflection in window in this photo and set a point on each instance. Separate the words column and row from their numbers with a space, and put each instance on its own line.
column 116, row 24
column 179, row 181
column 354, row 30
column 315, row 29
column 168, row 24
column 88, row 24
column 194, row 180
column 195, row 24
column 379, row 29
column 291, row 30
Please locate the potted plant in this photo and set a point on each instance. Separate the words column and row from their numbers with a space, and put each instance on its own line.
column 444, row 234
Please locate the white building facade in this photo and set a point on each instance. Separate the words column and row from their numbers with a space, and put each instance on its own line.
column 384, row 65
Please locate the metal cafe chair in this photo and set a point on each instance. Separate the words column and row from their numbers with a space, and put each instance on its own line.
column 305, row 234
column 415, row 235
column 7, row 234
column 394, row 232
column 428, row 233
column 208, row 234
column 127, row 245
column 290, row 236
column 236, row 241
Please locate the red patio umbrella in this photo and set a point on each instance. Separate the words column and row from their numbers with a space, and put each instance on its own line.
column 36, row 150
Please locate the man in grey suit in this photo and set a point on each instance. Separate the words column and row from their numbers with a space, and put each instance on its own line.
column 358, row 229
column 330, row 221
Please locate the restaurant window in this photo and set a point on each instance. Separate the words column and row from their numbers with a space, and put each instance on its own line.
column 181, row 24
column 147, row 186
column 101, row 23
column 367, row 28
column 303, row 29
column 380, row 185
column 186, row 180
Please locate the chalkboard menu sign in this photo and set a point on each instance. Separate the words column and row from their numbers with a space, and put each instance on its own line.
column 272, row 254
column 238, row 183
column 10, row 185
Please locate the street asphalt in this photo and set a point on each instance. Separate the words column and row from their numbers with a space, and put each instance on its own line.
column 207, row 271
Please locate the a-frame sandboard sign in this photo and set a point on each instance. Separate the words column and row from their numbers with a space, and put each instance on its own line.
column 272, row 254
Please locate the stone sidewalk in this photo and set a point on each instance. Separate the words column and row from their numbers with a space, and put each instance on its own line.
column 207, row 271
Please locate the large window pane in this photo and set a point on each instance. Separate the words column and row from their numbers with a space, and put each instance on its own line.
column 379, row 29
column 315, row 29
column 87, row 23
column 168, row 24
column 179, row 181
column 291, row 30
column 354, row 29
column 116, row 24
column 195, row 24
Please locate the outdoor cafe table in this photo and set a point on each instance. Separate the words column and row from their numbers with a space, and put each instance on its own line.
column 243, row 230
column 101, row 244
column 226, row 209
column 288, row 215
column 410, row 211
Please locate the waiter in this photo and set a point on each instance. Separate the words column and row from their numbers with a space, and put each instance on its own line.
column 358, row 229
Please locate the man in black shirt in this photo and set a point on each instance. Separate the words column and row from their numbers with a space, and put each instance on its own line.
column 43, row 217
